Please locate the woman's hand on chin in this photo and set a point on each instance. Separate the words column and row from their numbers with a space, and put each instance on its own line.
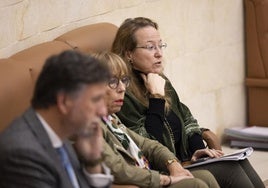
column 154, row 83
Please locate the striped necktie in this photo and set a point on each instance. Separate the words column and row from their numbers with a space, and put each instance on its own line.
column 67, row 165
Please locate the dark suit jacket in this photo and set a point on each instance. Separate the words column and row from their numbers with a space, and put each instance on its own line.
column 28, row 159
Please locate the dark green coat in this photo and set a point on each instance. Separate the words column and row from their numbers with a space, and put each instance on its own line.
column 133, row 115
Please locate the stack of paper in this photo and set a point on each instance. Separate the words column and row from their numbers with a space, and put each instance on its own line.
column 235, row 156
column 256, row 137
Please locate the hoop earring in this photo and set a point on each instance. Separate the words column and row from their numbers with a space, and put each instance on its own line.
column 130, row 61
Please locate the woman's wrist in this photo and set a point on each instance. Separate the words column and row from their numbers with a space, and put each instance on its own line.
column 174, row 168
column 170, row 182
column 165, row 181
column 156, row 95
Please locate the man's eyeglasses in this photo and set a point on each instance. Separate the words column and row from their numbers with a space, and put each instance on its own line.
column 114, row 82
column 151, row 47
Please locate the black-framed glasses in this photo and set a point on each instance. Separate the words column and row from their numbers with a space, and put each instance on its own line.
column 114, row 82
column 151, row 47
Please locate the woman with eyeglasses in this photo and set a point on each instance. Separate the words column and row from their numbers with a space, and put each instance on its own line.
column 133, row 159
column 153, row 109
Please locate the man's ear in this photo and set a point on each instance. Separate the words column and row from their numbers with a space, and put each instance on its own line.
column 64, row 102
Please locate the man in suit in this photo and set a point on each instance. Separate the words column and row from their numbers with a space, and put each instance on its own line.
column 68, row 100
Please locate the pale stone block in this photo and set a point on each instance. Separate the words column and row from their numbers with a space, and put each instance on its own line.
column 28, row 15
column 232, row 106
column 51, row 13
column 228, row 25
column 129, row 3
column 184, row 75
column 8, row 27
column 151, row 0
column 83, row 9
column 198, row 25
column 208, row 70
column 5, row 3
column 204, row 23
column 220, row 67
column 204, row 109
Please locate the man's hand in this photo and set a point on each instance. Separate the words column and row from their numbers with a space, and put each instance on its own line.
column 89, row 144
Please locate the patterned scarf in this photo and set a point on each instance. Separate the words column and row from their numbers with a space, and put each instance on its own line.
column 113, row 123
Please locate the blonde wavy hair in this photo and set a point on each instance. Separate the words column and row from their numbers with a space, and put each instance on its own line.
column 115, row 63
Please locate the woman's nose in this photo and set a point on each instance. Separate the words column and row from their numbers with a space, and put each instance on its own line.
column 121, row 86
column 158, row 52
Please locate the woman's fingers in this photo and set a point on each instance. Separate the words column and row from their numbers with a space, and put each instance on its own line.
column 154, row 83
column 212, row 153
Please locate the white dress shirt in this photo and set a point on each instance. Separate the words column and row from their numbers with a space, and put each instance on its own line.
column 96, row 180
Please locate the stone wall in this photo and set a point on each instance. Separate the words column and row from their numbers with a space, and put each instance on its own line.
column 204, row 58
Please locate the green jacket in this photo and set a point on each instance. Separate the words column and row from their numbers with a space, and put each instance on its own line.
column 122, row 164
column 133, row 115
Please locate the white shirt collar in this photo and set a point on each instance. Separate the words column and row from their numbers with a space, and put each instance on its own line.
column 55, row 140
